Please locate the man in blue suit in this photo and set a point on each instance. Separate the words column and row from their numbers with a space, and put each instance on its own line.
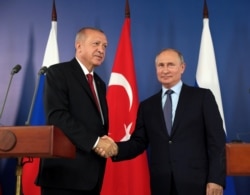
column 189, row 158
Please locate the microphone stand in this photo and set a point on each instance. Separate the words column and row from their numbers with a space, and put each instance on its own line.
column 14, row 70
column 33, row 101
column 21, row 163
column 6, row 95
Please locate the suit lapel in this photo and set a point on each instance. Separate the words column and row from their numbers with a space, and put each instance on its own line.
column 181, row 107
column 101, row 95
column 79, row 75
column 157, row 105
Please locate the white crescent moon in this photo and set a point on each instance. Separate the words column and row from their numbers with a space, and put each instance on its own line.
column 119, row 79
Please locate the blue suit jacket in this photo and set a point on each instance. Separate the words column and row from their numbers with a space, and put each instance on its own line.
column 195, row 151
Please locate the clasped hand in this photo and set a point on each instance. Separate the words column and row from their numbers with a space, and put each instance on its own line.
column 106, row 147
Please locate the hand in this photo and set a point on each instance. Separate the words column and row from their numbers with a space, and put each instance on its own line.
column 106, row 147
column 214, row 189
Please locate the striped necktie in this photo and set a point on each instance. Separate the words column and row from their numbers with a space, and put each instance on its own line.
column 167, row 110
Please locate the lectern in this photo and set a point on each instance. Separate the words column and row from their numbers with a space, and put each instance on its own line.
column 34, row 141
column 238, row 159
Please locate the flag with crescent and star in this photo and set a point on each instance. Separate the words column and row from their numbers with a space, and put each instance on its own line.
column 129, row 177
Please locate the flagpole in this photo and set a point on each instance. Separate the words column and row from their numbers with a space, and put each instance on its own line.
column 19, row 170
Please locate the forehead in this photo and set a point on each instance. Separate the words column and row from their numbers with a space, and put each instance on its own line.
column 96, row 35
column 168, row 56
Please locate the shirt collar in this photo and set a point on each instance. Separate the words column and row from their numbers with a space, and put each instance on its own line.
column 84, row 69
column 176, row 88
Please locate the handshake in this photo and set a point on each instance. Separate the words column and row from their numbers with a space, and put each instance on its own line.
column 106, row 147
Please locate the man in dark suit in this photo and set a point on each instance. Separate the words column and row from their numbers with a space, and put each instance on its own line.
column 71, row 106
column 190, row 158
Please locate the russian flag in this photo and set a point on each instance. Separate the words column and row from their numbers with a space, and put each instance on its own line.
column 51, row 57
column 207, row 77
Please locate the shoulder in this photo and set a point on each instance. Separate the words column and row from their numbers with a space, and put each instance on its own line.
column 193, row 89
column 64, row 65
column 196, row 92
column 151, row 99
column 65, row 68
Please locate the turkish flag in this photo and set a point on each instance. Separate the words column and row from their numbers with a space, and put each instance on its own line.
column 130, row 177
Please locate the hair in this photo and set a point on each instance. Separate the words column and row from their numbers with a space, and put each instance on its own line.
column 174, row 50
column 83, row 30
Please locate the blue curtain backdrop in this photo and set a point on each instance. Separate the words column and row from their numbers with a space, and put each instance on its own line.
column 24, row 27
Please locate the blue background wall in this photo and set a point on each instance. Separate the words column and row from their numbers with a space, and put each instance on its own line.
column 155, row 24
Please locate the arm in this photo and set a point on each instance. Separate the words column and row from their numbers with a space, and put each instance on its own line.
column 126, row 150
column 216, row 141
column 69, row 107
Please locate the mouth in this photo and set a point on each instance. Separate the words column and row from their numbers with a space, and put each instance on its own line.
column 99, row 57
column 166, row 77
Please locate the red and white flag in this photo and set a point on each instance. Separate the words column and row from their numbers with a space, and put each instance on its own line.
column 130, row 177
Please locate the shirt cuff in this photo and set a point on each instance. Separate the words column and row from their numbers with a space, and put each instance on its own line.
column 96, row 143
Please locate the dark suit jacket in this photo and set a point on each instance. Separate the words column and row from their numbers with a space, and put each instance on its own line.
column 194, row 153
column 69, row 105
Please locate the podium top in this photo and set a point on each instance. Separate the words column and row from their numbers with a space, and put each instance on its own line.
column 238, row 159
column 35, row 141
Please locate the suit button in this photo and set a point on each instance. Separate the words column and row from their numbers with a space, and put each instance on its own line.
column 170, row 142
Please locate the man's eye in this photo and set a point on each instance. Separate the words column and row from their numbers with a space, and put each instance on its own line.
column 96, row 43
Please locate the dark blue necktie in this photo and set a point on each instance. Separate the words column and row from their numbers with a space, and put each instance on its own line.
column 167, row 110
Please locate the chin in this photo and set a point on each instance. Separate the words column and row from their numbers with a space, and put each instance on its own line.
column 97, row 63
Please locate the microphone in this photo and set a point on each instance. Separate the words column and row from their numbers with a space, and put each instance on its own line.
column 14, row 70
column 42, row 71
